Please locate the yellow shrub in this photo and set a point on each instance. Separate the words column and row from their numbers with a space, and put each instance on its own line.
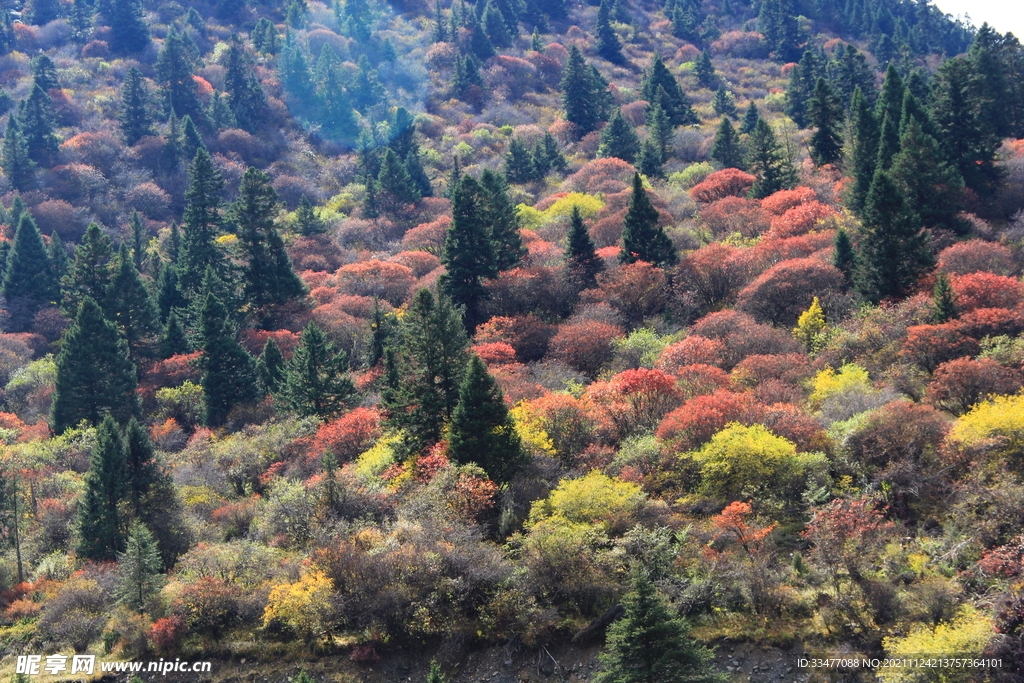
column 829, row 383
column 373, row 462
column 588, row 205
column 1001, row 419
column 964, row 637
column 530, row 426
column 303, row 606
column 595, row 497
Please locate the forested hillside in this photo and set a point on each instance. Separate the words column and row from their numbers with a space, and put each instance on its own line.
column 377, row 329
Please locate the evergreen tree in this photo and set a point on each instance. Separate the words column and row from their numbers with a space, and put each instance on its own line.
column 316, row 381
column 129, row 32
column 931, row 187
column 28, row 285
column 726, row 148
column 44, row 73
column 467, row 76
column 383, row 329
column 777, row 22
column 648, row 645
column 173, row 340
column 36, row 117
column 168, row 294
column 138, row 240
column 42, row 12
column 705, row 70
column 191, row 138
column 424, row 375
column 893, row 247
column 58, row 256
column 95, row 376
column 768, row 162
column 861, row 149
column 660, row 129
column 845, row 256
column 174, row 146
column 750, row 118
column 944, row 303
column 888, row 111
column 7, row 36
column 270, row 368
column 100, row 535
column 129, row 305
column 229, row 372
column 18, row 165
column 581, row 260
column 825, row 115
column 397, row 190
column 501, row 215
column 642, row 239
column 661, row 87
column 468, row 252
column 584, row 94
column 365, row 89
column 802, row 83
column 495, row 26
column 608, row 44
column 519, row 164
column 336, row 114
column 245, row 93
column 138, row 569
column 178, row 89
column 619, row 139
column 295, row 78
column 482, row 431
column 142, row 471
column 264, row 37
column 202, row 222
column 307, row 223
column 434, row 675
column 649, row 161
column 724, row 103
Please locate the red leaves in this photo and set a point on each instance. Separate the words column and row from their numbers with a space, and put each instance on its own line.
column 693, row 350
column 732, row 522
column 584, row 346
column 635, row 400
column 729, row 182
column 986, row 290
column 975, row 256
column 784, row 291
column 960, row 384
column 929, row 345
column 349, row 435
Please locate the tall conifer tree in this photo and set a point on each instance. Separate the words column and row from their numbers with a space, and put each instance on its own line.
column 100, row 532
column 503, row 218
column 468, row 251
column 316, row 381
column 229, row 372
column 581, row 259
column 199, row 249
column 28, row 285
column 768, row 162
column 642, row 239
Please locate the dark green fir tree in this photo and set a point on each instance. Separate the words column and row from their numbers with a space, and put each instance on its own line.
column 229, row 372
column 468, row 252
column 36, row 117
column 519, row 163
column 582, row 263
column 100, row 533
column 661, row 87
column 129, row 32
column 826, row 116
column 501, row 215
column 29, row 284
column 844, row 258
column 174, row 70
column 724, row 103
column 660, row 129
column 270, row 368
column 138, row 569
column 726, row 148
column 202, row 222
column 768, row 162
column 307, row 222
column 246, row 98
column 704, row 70
column 129, row 305
column 608, row 44
column 316, row 381
column 173, row 341
column 649, row 161
column 18, row 164
column 861, row 149
column 585, row 94
column 750, row 118
column 932, row 188
column 944, row 300
column 619, row 139
column 642, row 238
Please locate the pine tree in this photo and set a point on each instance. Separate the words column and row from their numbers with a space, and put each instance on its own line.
column 100, row 535
column 750, row 118
column 264, row 37
column 726, row 148
column 191, row 138
column 366, row 90
column 58, row 256
column 845, row 256
column 608, row 44
column 168, row 294
column 142, row 471
column 173, row 341
column 434, row 675
column 397, row 190
column 307, row 223
column 129, row 32
column 229, row 372
column 18, row 165
column 425, row 372
column 704, row 70
column 44, row 73
column 138, row 569
column 661, row 87
column 825, row 115
column 932, row 188
column 777, row 21
column 80, row 20
column 649, row 162
column 893, row 247
column 584, row 95
column 482, row 431
column 619, row 139
column 944, row 300
column 42, row 12
column 245, row 93
column 802, row 80
column 95, row 376
column 316, row 381
column 648, row 645
column 179, row 91
column 468, row 252
column 888, row 111
column 642, row 239
column 519, row 163
column 861, row 149
column 501, row 215
column 660, row 129
column 383, row 330
column 129, row 305
column 724, row 103
column 202, row 222
column 36, row 117
column 28, row 285
column 270, row 368
column 174, row 146
column 581, row 260
column 138, row 240
column 768, row 162
column 495, row 26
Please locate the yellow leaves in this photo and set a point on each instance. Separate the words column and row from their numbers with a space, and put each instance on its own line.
column 530, row 426
column 227, row 240
column 964, row 637
column 828, row 383
column 595, row 497
column 588, row 205
column 373, row 462
column 739, row 460
column 303, row 606
column 1000, row 419
column 810, row 327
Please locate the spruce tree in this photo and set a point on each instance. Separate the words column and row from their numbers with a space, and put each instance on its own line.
column 270, row 368
column 482, row 431
column 58, row 256
column 95, row 376
column 168, row 294
column 661, row 87
column 608, row 44
column 245, row 93
column 777, row 22
column 179, row 91
column 704, row 70
column 316, row 381
column 229, row 372
column 129, row 305
column 91, row 271
column 129, row 32
column 825, row 115
column 44, row 73
column 519, row 163
column 36, row 117
column 425, row 372
column 726, row 148
column 202, row 221
column 932, row 188
column 173, row 341
column 649, row 162
column 18, row 164
column 802, row 81
column 495, row 27
column 584, row 95
column 42, row 12
column 142, row 471
column 648, row 645
column 28, row 285
column 397, row 190
column 619, row 139
column 100, row 534
column 501, row 215
column 138, row 569
column 724, row 104
column 861, row 149
column 750, row 118
column 944, row 300
column 581, row 260
column 383, row 330
column 642, row 239
column 138, row 240
column 844, row 257
column 768, row 162
column 468, row 252
column 435, row 675
column 893, row 247
column 307, row 223
column 660, row 129
column 547, row 156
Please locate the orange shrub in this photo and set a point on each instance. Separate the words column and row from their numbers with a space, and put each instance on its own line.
column 383, row 279
column 729, row 182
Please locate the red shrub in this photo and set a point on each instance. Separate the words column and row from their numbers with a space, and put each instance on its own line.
column 741, row 44
column 173, row 371
column 697, row 380
column 382, row 279
column 975, row 256
column 700, row 418
column 734, row 215
column 930, row 345
column 526, row 290
column 784, row 200
column 419, row 262
column 635, row 400
column 729, row 182
column 693, row 350
column 987, row 290
column 428, row 237
column 637, row 290
column 743, row 336
column 585, row 346
column 495, row 353
column 802, row 219
column 596, row 172
column 713, row 274
column 960, row 384
column 57, row 215
column 347, row 436
column 528, row 335
column 255, row 340
column 166, row 634
column 991, row 322
column 784, row 291
column 790, row 368
column 317, row 253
